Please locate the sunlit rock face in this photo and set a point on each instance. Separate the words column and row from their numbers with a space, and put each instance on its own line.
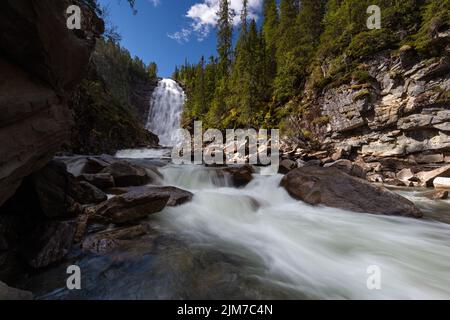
column 395, row 114
column 41, row 60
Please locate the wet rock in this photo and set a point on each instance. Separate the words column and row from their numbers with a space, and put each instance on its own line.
column 108, row 240
column 313, row 163
column 91, row 194
column 240, row 175
column 59, row 193
column 81, row 227
column 427, row 177
column 131, row 206
column 50, row 242
column 100, row 180
column 8, row 293
column 287, row 165
column 126, row 174
column 177, row 196
column 333, row 188
column 442, row 183
column 437, row 195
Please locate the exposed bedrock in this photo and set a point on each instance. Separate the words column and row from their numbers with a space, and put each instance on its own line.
column 40, row 62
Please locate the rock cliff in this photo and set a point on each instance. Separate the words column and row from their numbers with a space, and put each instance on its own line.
column 41, row 60
column 397, row 117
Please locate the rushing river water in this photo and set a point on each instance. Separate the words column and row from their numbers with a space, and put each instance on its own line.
column 259, row 243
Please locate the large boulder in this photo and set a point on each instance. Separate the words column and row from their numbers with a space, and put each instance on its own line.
column 126, row 174
column 100, row 180
column 60, row 194
column 131, row 206
column 334, row 188
column 42, row 61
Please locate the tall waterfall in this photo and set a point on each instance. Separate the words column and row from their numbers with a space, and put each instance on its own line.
column 166, row 108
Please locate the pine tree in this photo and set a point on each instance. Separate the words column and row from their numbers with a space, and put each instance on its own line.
column 269, row 33
column 224, row 50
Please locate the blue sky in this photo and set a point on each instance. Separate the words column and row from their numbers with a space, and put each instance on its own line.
column 170, row 31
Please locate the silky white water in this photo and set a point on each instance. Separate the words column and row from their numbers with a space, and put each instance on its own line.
column 166, row 108
column 314, row 252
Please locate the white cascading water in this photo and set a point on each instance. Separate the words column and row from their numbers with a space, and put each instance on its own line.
column 166, row 107
column 315, row 252
column 307, row 252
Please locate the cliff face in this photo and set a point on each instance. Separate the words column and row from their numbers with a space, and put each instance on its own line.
column 398, row 117
column 111, row 104
column 40, row 62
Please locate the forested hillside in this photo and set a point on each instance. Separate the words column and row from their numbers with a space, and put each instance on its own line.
column 111, row 104
column 298, row 51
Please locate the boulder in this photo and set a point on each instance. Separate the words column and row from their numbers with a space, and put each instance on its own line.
column 334, row 188
column 100, row 180
column 405, row 175
column 240, row 175
column 348, row 167
column 131, row 206
column 442, row 183
column 58, row 192
column 91, row 194
column 126, row 174
column 8, row 293
column 427, row 177
column 108, row 240
column 177, row 196
column 287, row 165
column 49, row 242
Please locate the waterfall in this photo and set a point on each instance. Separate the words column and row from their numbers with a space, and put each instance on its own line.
column 166, row 107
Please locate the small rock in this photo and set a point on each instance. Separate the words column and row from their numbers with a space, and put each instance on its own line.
column 108, row 240
column 437, row 195
column 240, row 175
column 427, row 177
column 287, row 165
column 177, row 196
column 100, row 180
column 131, row 206
column 126, row 174
column 441, row 183
column 405, row 175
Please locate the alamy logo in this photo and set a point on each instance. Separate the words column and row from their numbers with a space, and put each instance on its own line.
column 374, row 21
column 74, row 280
column 240, row 147
column 374, row 280
column 74, row 17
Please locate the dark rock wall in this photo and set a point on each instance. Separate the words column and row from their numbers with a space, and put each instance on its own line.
column 40, row 62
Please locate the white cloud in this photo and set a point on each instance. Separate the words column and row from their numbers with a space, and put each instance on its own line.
column 203, row 18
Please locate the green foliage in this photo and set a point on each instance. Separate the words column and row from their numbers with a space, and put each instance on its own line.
column 104, row 109
column 302, row 44
column 436, row 18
